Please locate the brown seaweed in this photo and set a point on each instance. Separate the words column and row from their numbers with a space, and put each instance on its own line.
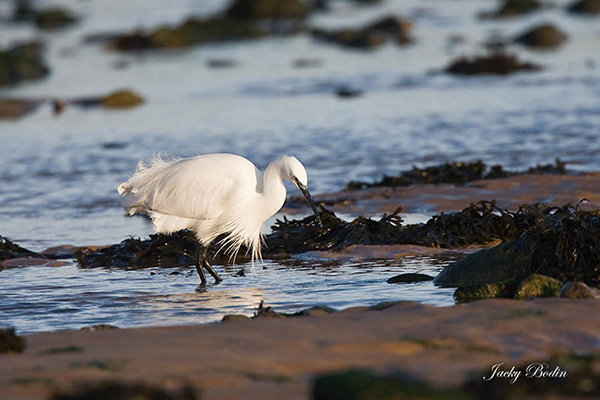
column 159, row 250
column 496, row 63
column 22, row 62
column 10, row 250
column 455, row 172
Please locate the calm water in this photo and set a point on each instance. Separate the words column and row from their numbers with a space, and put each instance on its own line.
column 44, row 299
column 58, row 174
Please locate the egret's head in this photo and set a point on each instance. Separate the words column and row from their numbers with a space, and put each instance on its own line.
column 293, row 170
column 296, row 173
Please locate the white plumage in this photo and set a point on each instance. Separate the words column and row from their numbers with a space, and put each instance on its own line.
column 213, row 194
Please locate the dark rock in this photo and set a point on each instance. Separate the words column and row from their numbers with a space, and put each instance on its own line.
column 371, row 36
column 497, row 63
column 587, row 7
column 398, row 29
column 353, row 38
column 538, row 286
column 116, row 390
column 54, row 18
column 487, row 266
column 22, row 62
column 559, row 242
column 114, row 145
column 544, row 36
column 99, row 327
column 579, row 290
column 194, row 31
column 316, row 310
column 267, row 9
column 23, row 11
column 10, row 342
column 234, row 317
column 363, row 385
column 347, row 92
column 512, row 8
column 455, row 172
column 16, row 108
column 487, row 291
column 410, row 278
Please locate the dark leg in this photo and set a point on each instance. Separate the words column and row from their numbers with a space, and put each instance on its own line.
column 199, row 265
column 210, row 269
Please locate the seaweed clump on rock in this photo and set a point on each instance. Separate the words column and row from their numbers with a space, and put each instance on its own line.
column 267, row 9
column 496, row 63
column 585, row 7
column 193, row 31
column 558, row 242
column 122, row 99
column 480, row 223
column 298, row 236
column 512, row 8
column 160, row 251
column 50, row 19
column 398, row 30
column 457, row 173
column 54, row 18
column 22, row 62
column 545, row 36
column 10, row 250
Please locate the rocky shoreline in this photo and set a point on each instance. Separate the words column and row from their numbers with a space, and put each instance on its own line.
column 317, row 353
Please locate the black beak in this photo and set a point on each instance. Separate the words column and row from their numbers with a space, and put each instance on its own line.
column 304, row 190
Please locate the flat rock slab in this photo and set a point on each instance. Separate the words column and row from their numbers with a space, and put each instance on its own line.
column 508, row 192
column 278, row 358
column 361, row 252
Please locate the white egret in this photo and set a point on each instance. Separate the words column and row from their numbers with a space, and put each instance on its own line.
column 212, row 195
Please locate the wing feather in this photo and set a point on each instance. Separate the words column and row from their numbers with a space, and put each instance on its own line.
column 196, row 188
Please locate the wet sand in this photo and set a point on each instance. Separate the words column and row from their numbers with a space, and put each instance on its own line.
column 277, row 358
column 508, row 193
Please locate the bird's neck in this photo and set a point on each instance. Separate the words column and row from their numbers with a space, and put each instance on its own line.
column 274, row 192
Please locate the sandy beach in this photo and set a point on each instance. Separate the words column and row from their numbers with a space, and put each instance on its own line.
column 274, row 358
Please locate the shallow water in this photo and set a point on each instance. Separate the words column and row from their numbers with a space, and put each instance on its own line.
column 58, row 175
column 36, row 299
